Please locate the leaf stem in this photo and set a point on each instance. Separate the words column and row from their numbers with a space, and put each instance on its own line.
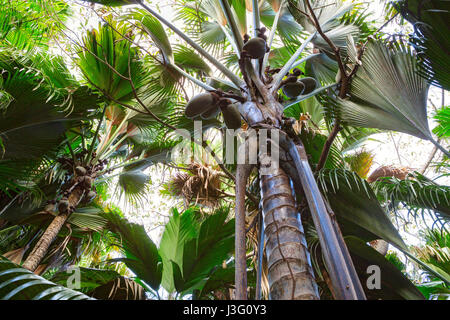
column 233, row 25
column 91, row 148
column 256, row 27
column 439, row 146
column 70, row 149
column 227, row 72
column 272, row 35
column 288, row 65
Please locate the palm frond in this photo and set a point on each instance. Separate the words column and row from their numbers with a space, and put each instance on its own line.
column 443, row 118
column 119, row 289
column 17, row 283
column 387, row 93
column 416, row 191
column 356, row 206
column 430, row 37
column 328, row 13
column 107, row 60
column 27, row 24
column 140, row 253
column 151, row 26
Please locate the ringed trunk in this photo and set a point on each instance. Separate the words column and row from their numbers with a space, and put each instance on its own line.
column 290, row 272
column 40, row 249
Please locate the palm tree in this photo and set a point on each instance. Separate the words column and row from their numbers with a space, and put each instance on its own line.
column 52, row 153
column 258, row 99
column 339, row 67
column 191, row 260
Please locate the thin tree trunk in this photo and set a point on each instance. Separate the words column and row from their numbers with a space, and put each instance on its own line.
column 290, row 272
column 242, row 174
column 430, row 158
column 40, row 249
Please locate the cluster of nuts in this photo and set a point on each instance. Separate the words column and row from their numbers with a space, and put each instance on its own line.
column 293, row 87
column 208, row 105
column 77, row 176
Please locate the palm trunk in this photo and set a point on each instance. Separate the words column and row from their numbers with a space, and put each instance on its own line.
column 290, row 272
column 40, row 249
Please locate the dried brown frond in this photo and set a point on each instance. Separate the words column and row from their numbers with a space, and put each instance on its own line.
column 198, row 184
column 388, row 171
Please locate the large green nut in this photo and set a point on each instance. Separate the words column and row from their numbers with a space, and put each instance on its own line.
column 255, row 48
column 232, row 116
column 80, row 171
column 63, row 205
column 293, row 89
column 222, row 84
column 90, row 196
column 211, row 113
column 199, row 104
column 309, row 83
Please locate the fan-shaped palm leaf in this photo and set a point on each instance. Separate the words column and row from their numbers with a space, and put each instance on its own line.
column 430, row 37
column 345, row 190
column 328, row 13
column 202, row 254
column 108, row 59
column 26, row 24
column 89, row 278
column 180, row 229
column 154, row 28
column 387, row 93
column 41, row 101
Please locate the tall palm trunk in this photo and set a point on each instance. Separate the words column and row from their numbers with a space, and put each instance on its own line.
column 290, row 272
column 40, row 249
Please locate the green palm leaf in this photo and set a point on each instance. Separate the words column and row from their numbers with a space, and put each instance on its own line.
column 26, row 24
column 187, row 58
column 141, row 254
column 430, row 37
column 108, row 60
column 154, row 28
column 41, row 101
column 213, row 245
column 119, row 289
column 89, row 278
column 417, row 191
column 17, row 283
column 180, row 229
column 394, row 285
column 443, row 118
column 387, row 93
column 357, row 208
column 329, row 13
